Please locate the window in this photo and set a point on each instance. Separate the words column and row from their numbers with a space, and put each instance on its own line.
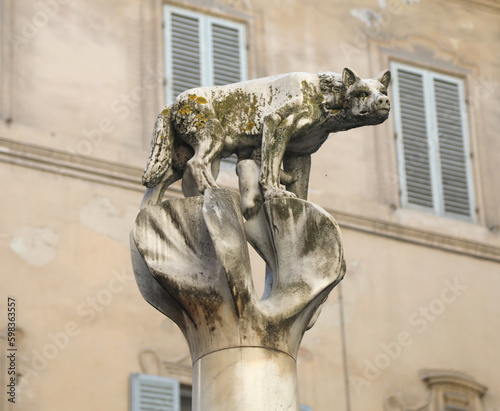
column 201, row 50
column 155, row 393
column 453, row 390
column 449, row 391
column 433, row 148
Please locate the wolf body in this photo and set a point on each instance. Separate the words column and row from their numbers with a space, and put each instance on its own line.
column 276, row 119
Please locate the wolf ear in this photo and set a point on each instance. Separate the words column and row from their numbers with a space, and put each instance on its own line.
column 385, row 78
column 349, row 77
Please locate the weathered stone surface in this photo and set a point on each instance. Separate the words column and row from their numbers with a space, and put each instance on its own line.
column 196, row 250
column 268, row 119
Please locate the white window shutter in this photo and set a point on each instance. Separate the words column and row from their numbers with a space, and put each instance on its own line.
column 186, row 71
column 412, row 130
column 185, row 53
column 154, row 393
column 453, row 162
column 431, row 127
column 201, row 50
column 226, row 54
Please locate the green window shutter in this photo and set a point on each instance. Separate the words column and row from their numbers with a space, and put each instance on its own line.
column 154, row 393
column 226, row 54
column 455, row 185
column 413, row 127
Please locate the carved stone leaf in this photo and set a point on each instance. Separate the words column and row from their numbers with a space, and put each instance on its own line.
column 223, row 218
column 174, row 242
column 152, row 292
column 308, row 258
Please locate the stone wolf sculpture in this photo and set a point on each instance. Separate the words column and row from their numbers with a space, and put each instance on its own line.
column 283, row 118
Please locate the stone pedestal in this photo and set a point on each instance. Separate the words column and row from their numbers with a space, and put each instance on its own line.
column 191, row 262
column 245, row 378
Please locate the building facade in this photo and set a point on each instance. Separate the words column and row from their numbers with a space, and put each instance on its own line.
column 415, row 324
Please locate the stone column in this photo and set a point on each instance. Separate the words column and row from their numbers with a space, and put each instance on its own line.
column 246, row 378
column 191, row 262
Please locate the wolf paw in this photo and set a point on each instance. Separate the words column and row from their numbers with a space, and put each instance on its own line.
column 271, row 193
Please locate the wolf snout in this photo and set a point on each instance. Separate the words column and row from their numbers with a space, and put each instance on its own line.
column 383, row 104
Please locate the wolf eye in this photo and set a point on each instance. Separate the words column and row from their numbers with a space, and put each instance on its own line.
column 362, row 94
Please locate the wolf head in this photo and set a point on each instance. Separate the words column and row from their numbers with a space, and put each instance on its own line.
column 366, row 100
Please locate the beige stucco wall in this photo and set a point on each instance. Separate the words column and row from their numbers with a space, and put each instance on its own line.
column 86, row 85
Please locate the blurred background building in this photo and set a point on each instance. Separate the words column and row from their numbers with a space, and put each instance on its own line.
column 415, row 323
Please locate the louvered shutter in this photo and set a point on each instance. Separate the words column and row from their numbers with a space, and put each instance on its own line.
column 451, row 148
column 185, row 53
column 154, row 393
column 201, row 51
column 183, row 57
column 432, row 142
column 413, row 130
column 226, row 54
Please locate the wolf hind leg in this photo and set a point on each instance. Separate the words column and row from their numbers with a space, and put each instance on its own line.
column 206, row 152
column 189, row 184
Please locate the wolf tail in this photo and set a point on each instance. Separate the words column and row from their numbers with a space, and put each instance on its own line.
column 160, row 156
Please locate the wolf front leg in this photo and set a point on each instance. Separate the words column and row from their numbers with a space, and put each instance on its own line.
column 276, row 134
column 273, row 149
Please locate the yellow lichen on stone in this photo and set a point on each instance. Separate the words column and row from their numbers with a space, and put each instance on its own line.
column 250, row 126
column 316, row 99
column 201, row 100
column 200, row 124
column 192, row 96
column 165, row 111
column 185, row 109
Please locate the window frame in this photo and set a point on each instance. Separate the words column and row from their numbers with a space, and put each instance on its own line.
column 205, row 22
column 428, row 78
